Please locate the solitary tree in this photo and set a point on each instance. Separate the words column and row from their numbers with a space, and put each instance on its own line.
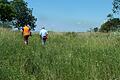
column 23, row 14
column 95, row 29
column 18, row 12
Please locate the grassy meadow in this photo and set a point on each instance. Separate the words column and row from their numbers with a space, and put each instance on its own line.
column 67, row 56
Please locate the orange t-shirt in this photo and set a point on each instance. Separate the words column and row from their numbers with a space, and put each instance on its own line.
column 26, row 31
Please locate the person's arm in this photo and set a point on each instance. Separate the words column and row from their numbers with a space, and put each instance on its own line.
column 30, row 32
column 40, row 34
column 22, row 31
column 46, row 35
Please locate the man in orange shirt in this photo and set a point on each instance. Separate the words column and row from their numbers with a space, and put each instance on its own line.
column 26, row 33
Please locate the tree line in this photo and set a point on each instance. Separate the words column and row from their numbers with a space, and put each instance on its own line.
column 16, row 12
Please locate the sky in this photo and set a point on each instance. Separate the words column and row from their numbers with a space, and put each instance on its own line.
column 70, row 15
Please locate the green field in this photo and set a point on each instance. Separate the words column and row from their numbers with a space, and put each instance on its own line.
column 67, row 56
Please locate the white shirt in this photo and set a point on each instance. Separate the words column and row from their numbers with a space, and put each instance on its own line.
column 43, row 32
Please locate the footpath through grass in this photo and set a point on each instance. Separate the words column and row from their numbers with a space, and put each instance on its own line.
column 67, row 56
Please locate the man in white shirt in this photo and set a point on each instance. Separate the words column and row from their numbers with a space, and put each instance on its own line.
column 43, row 35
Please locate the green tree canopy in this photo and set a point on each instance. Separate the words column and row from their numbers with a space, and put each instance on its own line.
column 116, row 6
column 18, row 12
column 110, row 25
column 23, row 14
column 6, row 11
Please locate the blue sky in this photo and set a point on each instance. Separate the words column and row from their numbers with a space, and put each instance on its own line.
column 70, row 15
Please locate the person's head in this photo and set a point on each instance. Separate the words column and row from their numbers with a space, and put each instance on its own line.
column 27, row 25
column 43, row 27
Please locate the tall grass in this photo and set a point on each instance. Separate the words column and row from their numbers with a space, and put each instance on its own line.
column 66, row 56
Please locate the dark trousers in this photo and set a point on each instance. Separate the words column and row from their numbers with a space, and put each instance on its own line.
column 26, row 39
column 43, row 40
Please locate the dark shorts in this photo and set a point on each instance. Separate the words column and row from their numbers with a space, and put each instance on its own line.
column 44, row 38
column 26, row 37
